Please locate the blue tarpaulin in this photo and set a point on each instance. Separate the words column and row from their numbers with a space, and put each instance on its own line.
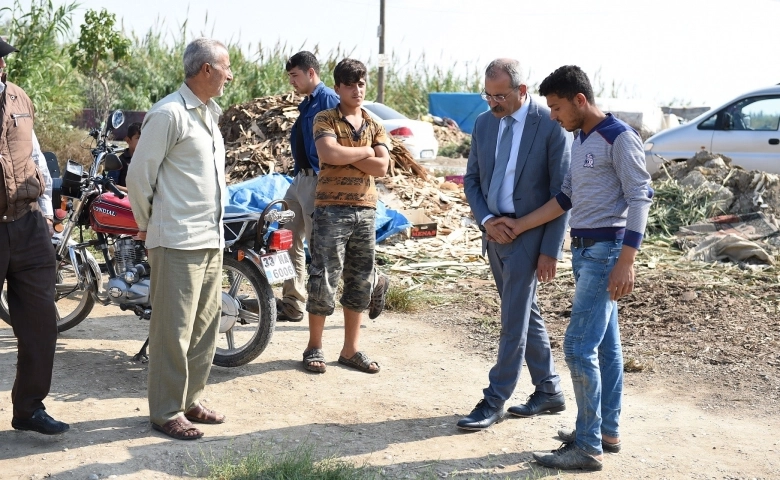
column 254, row 195
column 464, row 108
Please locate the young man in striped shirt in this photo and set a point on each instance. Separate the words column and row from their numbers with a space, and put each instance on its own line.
column 608, row 192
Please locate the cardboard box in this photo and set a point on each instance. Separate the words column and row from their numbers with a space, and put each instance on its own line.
column 422, row 225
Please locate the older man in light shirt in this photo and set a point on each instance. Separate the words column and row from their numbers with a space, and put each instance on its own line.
column 176, row 186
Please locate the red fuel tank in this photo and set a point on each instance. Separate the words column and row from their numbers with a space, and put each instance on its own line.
column 111, row 214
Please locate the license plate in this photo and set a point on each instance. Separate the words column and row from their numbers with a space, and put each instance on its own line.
column 278, row 267
column 426, row 154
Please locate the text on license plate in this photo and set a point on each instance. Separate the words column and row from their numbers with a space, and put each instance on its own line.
column 278, row 267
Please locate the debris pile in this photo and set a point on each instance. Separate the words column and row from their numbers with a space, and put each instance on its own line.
column 257, row 140
column 718, row 211
column 449, row 134
column 732, row 189
column 257, row 136
column 456, row 251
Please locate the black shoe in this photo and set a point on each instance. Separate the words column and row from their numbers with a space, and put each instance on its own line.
column 569, row 436
column 286, row 313
column 482, row 417
column 40, row 422
column 540, row 402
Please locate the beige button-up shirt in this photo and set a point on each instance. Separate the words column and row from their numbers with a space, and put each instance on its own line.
column 176, row 182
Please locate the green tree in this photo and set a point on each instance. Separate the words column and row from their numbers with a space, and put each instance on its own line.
column 152, row 71
column 41, row 66
column 99, row 51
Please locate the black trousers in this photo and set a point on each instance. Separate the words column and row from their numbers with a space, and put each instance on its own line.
column 27, row 264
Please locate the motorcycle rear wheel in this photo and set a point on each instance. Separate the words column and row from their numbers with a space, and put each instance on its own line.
column 73, row 304
column 251, row 298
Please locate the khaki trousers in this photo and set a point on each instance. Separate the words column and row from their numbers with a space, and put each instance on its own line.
column 186, row 307
column 300, row 199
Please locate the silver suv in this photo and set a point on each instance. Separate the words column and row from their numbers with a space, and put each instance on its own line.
column 744, row 129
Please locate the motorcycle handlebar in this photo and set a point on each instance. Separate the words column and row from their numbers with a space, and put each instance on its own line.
column 112, row 188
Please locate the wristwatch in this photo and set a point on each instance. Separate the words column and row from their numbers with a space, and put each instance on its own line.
column 482, row 228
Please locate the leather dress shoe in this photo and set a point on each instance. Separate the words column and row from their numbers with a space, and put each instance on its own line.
column 482, row 417
column 540, row 402
column 40, row 422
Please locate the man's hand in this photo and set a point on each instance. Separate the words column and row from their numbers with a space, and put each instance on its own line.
column 497, row 231
column 141, row 235
column 546, row 268
column 50, row 224
column 621, row 280
column 514, row 224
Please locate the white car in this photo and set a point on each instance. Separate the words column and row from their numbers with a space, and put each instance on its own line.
column 416, row 135
column 744, row 129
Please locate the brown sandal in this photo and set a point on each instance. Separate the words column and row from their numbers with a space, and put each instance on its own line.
column 200, row 414
column 179, row 428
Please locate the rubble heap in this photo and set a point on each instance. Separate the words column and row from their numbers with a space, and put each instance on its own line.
column 733, row 189
column 257, row 140
column 742, row 207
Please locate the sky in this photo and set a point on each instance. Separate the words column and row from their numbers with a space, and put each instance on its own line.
column 694, row 52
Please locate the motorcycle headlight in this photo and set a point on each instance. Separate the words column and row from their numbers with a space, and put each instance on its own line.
column 648, row 146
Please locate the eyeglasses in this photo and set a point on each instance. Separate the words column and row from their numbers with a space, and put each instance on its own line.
column 227, row 69
column 495, row 98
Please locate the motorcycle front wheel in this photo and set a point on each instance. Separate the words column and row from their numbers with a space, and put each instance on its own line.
column 74, row 304
column 248, row 314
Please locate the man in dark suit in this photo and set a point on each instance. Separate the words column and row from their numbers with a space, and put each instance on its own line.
column 517, row 163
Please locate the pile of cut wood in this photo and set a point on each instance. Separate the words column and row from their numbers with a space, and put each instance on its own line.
column 257, row 140
column 449, row 134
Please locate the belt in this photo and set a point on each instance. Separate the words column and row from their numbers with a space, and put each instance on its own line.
column 510, row 215
column 580, row 242
column 307, row 172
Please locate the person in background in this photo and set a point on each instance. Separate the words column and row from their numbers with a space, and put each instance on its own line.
column 132, row 137
column 27, row 262
column 177, row 191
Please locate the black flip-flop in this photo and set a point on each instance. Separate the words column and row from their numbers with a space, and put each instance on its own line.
column 359, row 361
column 311, row 356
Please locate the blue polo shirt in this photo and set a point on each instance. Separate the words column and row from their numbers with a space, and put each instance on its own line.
column 322, row 98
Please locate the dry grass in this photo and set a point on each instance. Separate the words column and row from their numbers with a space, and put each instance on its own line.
column 66, row 142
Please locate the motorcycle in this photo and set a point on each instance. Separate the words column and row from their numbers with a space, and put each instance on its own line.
column 255, row 257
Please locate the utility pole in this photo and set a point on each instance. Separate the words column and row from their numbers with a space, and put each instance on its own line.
column 380, row 82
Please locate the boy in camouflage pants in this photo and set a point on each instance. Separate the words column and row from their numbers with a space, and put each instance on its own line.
column 352, row 149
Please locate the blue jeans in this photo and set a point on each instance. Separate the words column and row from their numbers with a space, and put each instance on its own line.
column 592, row 346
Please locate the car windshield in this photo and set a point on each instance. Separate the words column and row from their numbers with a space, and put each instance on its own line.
column 383, row 111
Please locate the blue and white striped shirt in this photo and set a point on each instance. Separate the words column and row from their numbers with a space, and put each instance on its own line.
column 608, row 187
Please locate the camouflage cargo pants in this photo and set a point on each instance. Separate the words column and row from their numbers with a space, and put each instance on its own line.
column 342, row 244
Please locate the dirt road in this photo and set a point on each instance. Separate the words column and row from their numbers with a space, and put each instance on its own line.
column 401, row 419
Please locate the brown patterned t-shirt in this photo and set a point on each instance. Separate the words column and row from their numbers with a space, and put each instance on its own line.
column 345, row 184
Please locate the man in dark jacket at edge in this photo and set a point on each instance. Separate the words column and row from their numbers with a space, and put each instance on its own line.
column 27, row 259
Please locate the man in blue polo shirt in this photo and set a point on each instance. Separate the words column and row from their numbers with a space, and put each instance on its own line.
column 303, row 70
column 608, row 192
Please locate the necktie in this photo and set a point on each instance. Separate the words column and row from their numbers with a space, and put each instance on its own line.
column 499, row 169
